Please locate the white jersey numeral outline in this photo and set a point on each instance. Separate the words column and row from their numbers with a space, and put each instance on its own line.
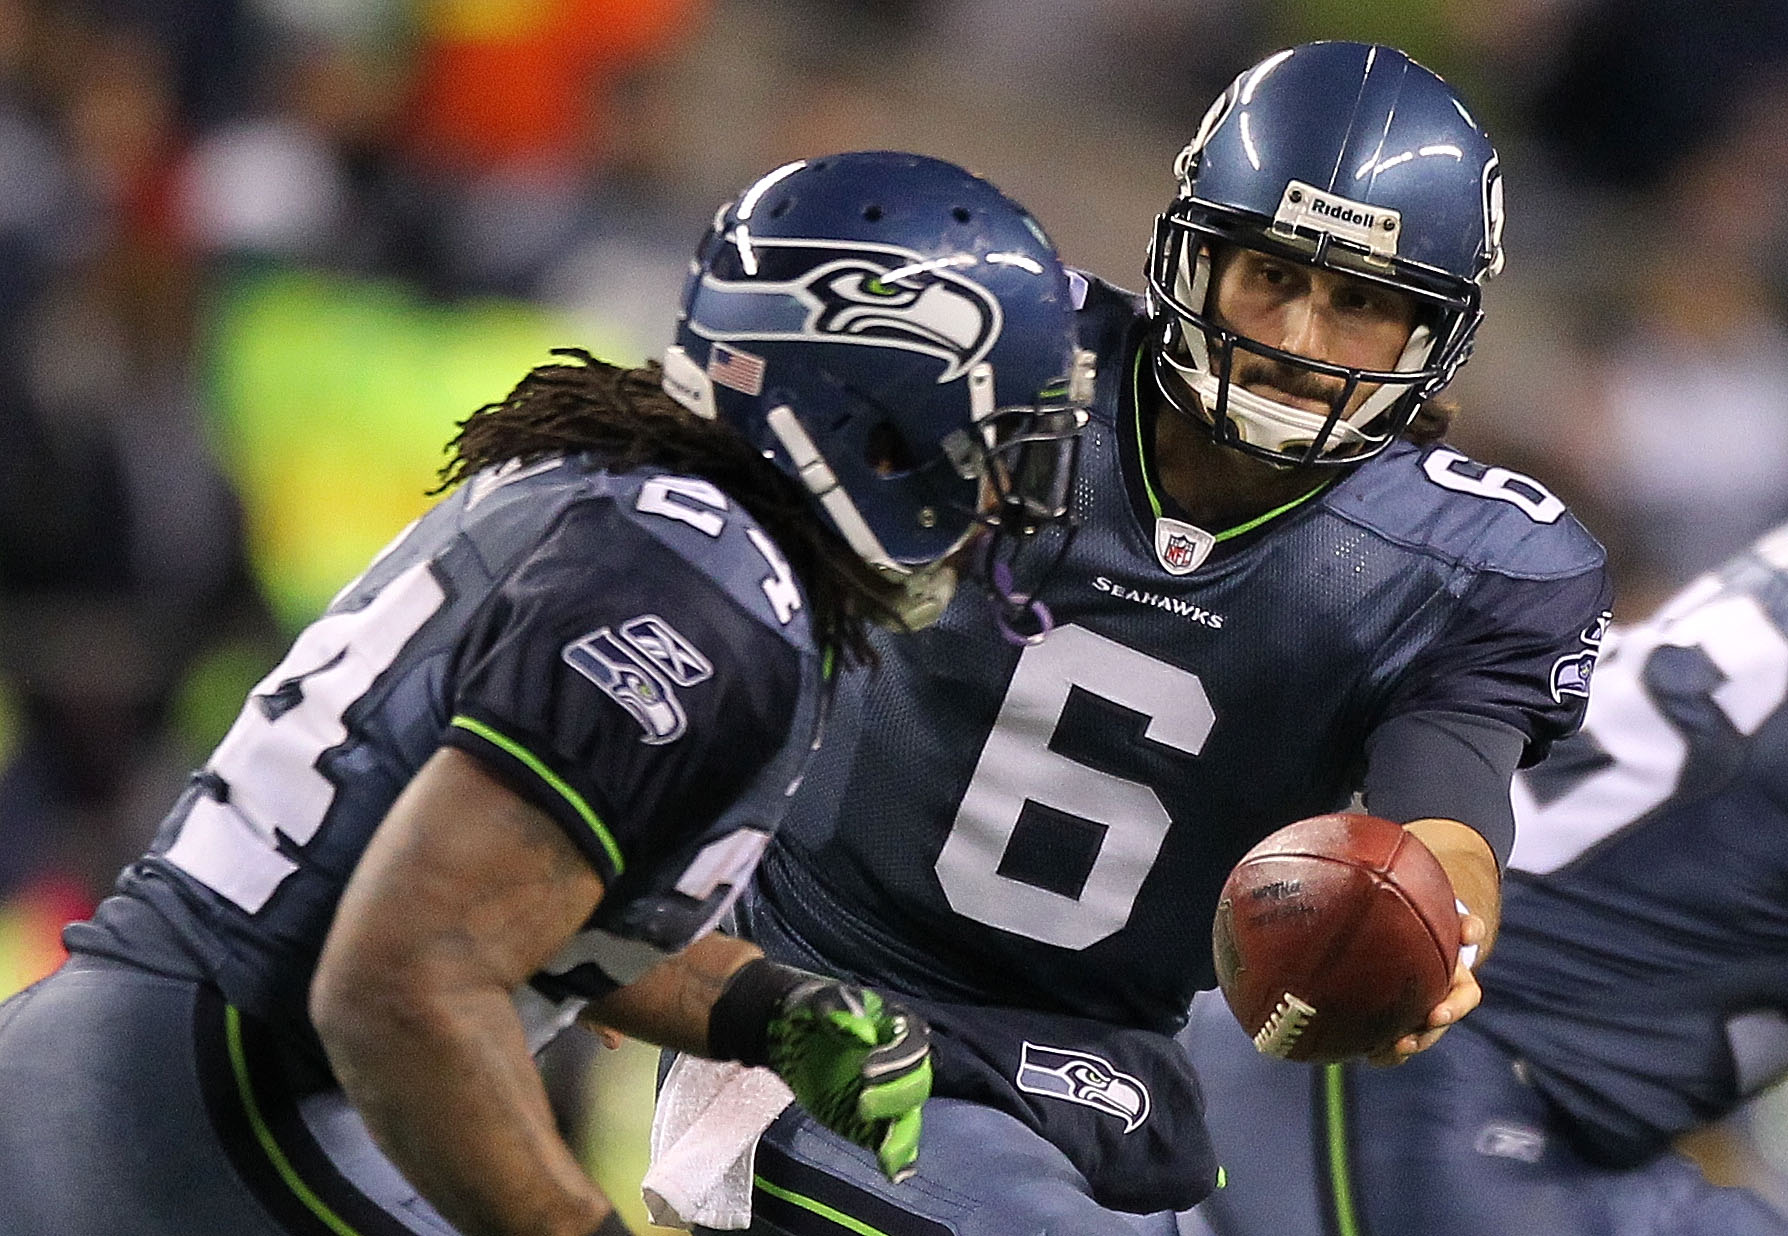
column 1519, row 490
column 670, row 496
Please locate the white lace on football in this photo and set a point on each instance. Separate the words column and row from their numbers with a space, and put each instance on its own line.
column 1283, row 1026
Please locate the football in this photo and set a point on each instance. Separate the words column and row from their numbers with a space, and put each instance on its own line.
column 1334, row 937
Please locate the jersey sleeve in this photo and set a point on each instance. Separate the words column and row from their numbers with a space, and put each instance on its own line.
column 1452, row 766
column 618, row 686
column 1518, row 651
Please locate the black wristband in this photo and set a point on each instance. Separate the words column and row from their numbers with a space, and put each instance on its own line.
column 613, row 1226
column 739, row 1022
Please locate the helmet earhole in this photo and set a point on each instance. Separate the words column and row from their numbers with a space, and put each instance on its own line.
column 961, row 214
column 872, row 214
column 886, row 451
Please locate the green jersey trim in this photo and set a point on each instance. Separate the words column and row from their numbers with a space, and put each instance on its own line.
column 534, row 765
column 1145, row 454
column 1347, row 1221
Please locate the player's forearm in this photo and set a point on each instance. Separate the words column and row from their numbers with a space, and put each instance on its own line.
column 1470, row 865
column 670, row 1004
column 447, row 1087
column 464, row 891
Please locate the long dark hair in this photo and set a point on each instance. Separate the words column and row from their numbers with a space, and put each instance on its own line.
column 1431, row 421
column 624, row 418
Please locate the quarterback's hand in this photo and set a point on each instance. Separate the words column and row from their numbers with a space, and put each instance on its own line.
column 859, row 1062
column 1461, row 998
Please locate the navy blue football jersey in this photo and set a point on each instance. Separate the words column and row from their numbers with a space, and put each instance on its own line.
column 1642, row 970
column 629, row 652
column 1049, row 825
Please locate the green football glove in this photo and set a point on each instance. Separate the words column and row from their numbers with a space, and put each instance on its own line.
column 859, row 1062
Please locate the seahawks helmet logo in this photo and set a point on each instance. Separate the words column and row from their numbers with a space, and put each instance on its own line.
column 1081, row 1077
column 855, row 292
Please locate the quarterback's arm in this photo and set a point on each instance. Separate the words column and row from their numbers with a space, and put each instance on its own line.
column 465, row 890
column 1446, row 778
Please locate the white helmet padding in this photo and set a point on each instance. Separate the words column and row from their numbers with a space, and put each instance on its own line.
column 1266, row 423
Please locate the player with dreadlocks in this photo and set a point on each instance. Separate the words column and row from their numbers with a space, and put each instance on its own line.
column 520, row 767
column 624, row 416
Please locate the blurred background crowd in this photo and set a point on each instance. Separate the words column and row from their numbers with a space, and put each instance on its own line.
column 257, row 257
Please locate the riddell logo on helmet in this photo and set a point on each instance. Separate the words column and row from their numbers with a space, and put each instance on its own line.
column 1343, row 213
column 1305, row 208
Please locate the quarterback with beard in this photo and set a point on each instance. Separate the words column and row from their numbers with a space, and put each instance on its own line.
column 1284, row 593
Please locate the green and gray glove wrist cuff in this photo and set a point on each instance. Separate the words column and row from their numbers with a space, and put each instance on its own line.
column 858, row 1061
column 739, row 1023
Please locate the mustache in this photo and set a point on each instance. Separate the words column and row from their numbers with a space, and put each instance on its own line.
column 1298, row 383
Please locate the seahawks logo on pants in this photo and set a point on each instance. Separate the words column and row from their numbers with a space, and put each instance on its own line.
column 1081, row 1077
column 855, row 292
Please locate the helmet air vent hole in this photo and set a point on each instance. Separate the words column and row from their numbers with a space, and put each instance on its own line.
column 873, row 213
column 886, row 451
column 961, row 214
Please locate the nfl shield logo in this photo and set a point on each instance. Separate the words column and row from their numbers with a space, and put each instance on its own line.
column 1181, row 547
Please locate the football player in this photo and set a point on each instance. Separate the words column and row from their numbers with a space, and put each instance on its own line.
column 534, row 751
column 1638, row 991
column 1284, row 589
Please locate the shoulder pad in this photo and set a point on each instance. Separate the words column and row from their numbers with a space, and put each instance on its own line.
column 686, row 515
column 1437, row 500
column 1109, row 321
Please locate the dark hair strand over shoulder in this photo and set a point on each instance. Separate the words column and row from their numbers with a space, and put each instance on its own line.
column 622, row 417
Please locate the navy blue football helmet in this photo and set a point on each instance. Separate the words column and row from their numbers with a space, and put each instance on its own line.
column 1347, row 156
column 898, row 336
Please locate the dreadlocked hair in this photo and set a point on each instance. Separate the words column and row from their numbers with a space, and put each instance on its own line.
column 623, row 418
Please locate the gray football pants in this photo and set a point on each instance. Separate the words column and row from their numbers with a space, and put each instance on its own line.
column 1450, row 1142
column 981, row 1172
column 134, row 1104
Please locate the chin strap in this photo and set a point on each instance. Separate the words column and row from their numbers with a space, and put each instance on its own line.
column 1020, row 617
column 921, row 597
